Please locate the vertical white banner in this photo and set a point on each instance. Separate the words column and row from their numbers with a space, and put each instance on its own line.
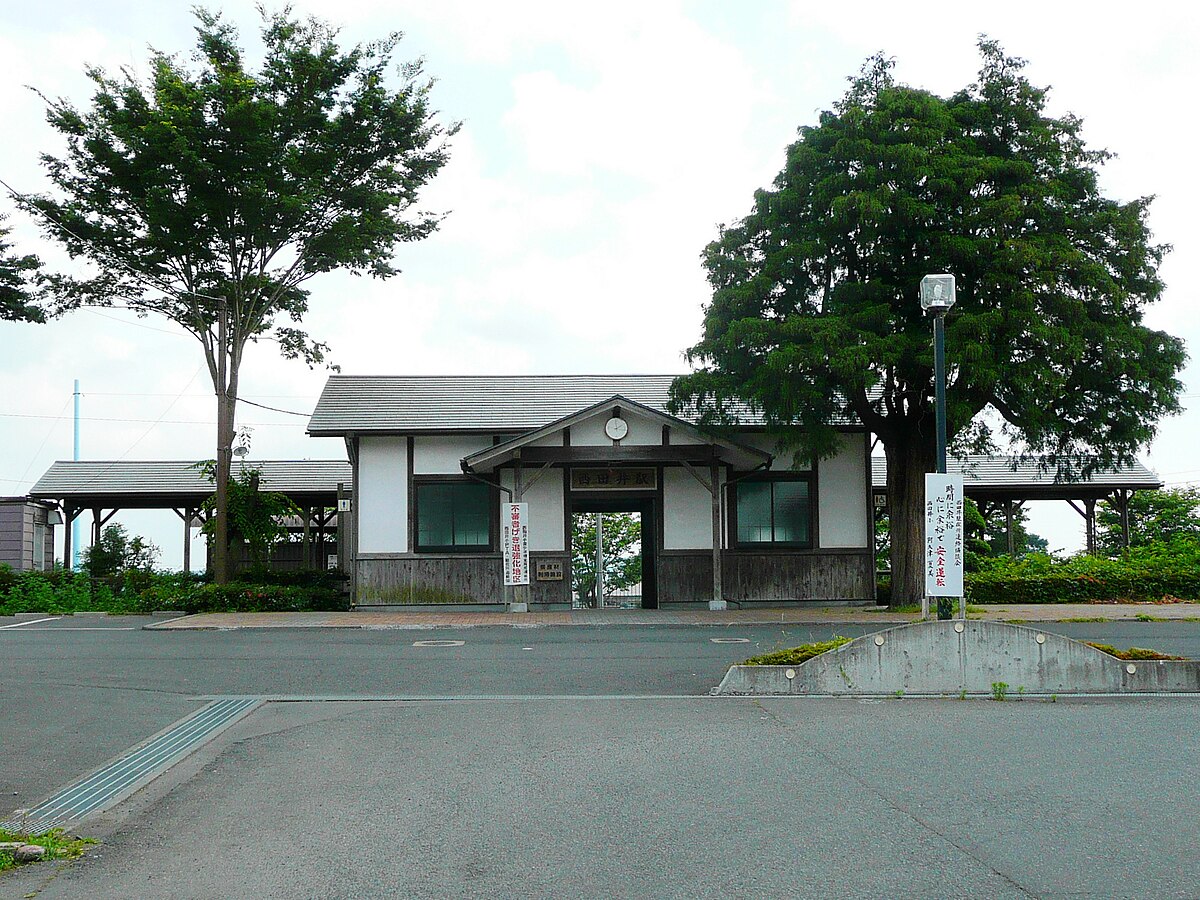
column 944, row 535
column 514, row 528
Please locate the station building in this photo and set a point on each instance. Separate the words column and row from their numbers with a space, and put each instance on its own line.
column 726, row 519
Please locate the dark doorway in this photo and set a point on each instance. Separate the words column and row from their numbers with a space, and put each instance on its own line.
column 633, row 519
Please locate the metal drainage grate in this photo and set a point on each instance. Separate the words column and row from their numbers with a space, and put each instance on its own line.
column 101, row 789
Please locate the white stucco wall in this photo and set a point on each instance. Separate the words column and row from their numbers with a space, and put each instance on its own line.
column 382, row 495
column 545, row 499
column 590, row 432
column 443, row 454
column 687, row 512
column 842, row 491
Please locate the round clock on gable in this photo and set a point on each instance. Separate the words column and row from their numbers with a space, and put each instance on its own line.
column 616, row 428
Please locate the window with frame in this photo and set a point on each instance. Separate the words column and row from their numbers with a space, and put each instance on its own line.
column 774, row 511
column 453, row 516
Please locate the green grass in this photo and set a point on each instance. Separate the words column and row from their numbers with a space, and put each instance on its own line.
column 793, row 656
column 58, row 844
column 1132, row 652
column 1146, row 617
column 1085, row 619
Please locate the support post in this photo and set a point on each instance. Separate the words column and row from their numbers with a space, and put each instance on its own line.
column 306, row 551
column 69, row 538
column 1125, row 496
column 718, row 597
column 1008, row 529
column 187, row 539
column 599, row 560
column 1090, row 520
column 341, row 529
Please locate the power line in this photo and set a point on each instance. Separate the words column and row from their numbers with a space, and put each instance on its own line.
column 273, row 408
column 143, row 421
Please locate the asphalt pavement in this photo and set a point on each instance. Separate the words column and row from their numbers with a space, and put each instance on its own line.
column 686, row 797
column 454, row 797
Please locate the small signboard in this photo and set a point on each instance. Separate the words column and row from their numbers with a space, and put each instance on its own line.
column 343, row 504
column 514, row 526
column 614, row 479
column 549, row 570
column 944, row 555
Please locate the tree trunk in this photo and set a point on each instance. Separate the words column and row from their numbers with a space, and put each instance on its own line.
column 225, row 411
column 907, row 463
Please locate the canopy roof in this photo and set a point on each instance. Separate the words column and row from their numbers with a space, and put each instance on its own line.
column 1008, row 478
column 132, row 484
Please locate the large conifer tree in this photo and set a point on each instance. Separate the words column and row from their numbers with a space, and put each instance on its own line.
column 814, row 315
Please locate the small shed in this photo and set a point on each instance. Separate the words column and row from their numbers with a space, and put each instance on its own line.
column 27, row 533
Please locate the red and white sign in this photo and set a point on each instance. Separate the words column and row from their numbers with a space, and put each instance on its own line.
column 944, row 555
column 514, row 527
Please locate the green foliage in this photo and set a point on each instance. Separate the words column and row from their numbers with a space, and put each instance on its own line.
column 622, row 553
column 1155, row 517
column 1151, row 573
column 1132, row 652
column 793, row 656
column 19, row 291
column 240, row 596
column 140, row 592
column 814, row 314
column 117, row 553
column 58, row 844
column 999, row 690
column 255, row 516
column 222, row 182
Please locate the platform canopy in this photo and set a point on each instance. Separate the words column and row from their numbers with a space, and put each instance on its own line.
column 999, row 478
column 166, row 484
column 107, row 486
column 1007, row 483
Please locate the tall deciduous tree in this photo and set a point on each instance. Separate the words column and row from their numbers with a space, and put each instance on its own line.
column 815, row 318
column 18, row 283
column 211, row 194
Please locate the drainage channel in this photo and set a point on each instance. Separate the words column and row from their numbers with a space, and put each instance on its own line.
column 139, row 766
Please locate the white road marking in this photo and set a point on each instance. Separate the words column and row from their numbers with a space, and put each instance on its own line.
column 32, row 622
column 730, row 640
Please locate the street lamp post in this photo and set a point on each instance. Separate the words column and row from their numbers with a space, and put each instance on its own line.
column 937, row 296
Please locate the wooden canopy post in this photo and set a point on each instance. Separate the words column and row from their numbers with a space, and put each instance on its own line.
column 186, row 514
column 718, row 597
column 69, row 515
column 306, row 551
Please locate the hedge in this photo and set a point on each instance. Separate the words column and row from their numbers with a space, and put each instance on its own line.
column 59, row 592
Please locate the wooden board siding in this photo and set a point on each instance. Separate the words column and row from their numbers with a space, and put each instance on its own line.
column 402, row 580
column 16, row 535
column 686, row 577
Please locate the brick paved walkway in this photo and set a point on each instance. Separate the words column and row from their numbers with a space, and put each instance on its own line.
column 364, row 618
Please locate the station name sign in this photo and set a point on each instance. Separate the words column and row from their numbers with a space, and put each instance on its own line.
column 614, row 479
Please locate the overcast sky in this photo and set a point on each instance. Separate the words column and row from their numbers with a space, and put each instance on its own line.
column 602, row 145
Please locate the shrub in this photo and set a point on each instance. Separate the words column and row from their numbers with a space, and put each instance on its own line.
column 1151, row 573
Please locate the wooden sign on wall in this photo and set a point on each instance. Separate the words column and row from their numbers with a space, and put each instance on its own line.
column 614, row 479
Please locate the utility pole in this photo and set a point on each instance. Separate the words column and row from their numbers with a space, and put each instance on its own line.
column 224, row 452
column 74, row 560
column 599, row 560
